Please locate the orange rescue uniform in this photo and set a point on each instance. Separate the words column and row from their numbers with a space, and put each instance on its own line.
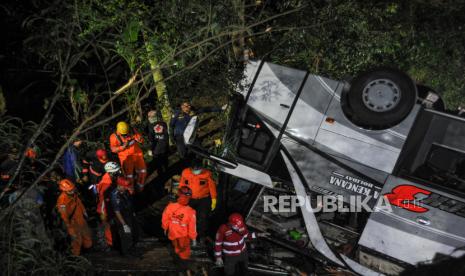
column 179, row 220
column 72, row 212
column 131, row 156
column 202, row 185
column 102, row 205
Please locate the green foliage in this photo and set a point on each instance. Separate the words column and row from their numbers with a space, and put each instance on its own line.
column 26, row 248
column 423, row 38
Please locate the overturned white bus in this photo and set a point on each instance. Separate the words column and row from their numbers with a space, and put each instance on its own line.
column 379, row 136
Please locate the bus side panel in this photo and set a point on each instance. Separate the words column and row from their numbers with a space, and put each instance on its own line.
column 327, row 176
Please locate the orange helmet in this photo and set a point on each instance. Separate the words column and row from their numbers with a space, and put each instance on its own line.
column 66, row 185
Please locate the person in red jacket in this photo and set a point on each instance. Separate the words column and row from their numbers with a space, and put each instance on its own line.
column 230, row 243
column 178, row 221
column 126, row 144
column 204, row 195
column 104, row 188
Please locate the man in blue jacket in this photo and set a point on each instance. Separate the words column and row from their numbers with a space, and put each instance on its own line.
column 179, row 122
column 72, row 163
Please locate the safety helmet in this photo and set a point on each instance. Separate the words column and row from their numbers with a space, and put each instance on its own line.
column 123, row 182
column 122, row 128
column 185, row 191
column 112, row 167
column 101, row 154
column 66, row 185
column 236, row 220
column 31, row 153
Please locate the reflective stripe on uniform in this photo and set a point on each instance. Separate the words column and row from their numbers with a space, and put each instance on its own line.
column 177, row 222
column 141, row 171
column 233, row 251
column 130, row 176
column 234, row 243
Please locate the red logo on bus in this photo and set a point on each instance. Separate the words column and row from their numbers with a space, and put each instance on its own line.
column 404, row 196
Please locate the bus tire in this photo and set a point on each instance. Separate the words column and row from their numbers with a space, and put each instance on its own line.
column 381, row 98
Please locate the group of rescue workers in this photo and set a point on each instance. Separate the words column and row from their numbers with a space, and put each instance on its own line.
column 115, row 185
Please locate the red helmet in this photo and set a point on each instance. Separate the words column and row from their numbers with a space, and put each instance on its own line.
column 123, row 182
column 66, row 185
column 31, row 153
column 185, row 191
column 236, row 220
column 101, row 154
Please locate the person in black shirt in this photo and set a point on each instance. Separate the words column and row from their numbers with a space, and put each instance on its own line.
column 123, row 210
column 159, row 139
column 95, row 162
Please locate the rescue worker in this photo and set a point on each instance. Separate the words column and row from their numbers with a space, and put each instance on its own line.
column 126, row 144
column 73, row 213
column 104, row 189
column 204, row 196
column 72, row 163
column 96, row 161
column 179, row 122
column 230, row 243
column 179, row 223
column 124, row 215
column 159, row 139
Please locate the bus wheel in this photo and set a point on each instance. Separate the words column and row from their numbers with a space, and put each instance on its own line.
column 381, row 98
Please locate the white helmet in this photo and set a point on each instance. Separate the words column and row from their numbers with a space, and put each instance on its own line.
column 112, row 167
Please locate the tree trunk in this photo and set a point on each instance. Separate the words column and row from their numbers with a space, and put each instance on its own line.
column 163, row 104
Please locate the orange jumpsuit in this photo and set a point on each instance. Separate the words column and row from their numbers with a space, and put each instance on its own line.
column 130, row 157
column 72, row 212
column 179, row 220
column 202, row 185
column 103, row 202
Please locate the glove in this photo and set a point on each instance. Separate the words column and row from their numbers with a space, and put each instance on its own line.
column 194, row 243
column 219, row 262
column 150, row 153
column 213, row 203
column 126, row 229
column 103, row 217
column 224, row 107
